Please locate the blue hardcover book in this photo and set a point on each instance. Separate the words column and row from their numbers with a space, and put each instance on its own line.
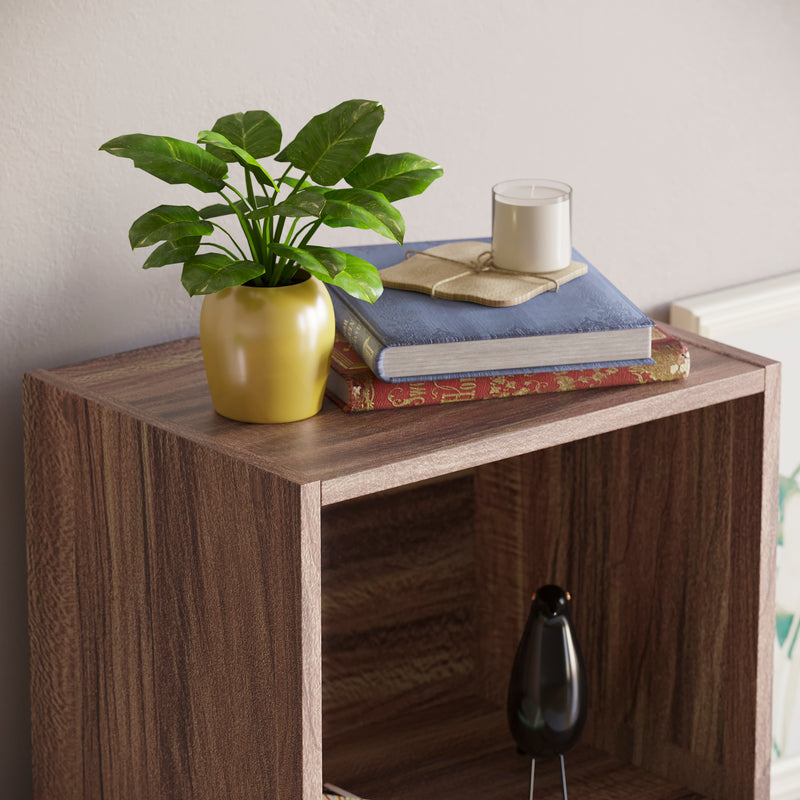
column 409, row 336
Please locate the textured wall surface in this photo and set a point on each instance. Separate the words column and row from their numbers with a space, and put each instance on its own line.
column 675, row 121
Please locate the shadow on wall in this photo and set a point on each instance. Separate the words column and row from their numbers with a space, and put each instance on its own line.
column 14, row 697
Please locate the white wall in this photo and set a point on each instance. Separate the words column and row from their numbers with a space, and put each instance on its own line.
column 676, row 122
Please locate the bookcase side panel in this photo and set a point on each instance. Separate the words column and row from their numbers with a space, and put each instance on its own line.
column 54, row 513
column 754, row 520
column 656, row 531
column 199, row 661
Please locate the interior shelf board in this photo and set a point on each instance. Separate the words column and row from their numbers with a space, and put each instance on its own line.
column 462, row 749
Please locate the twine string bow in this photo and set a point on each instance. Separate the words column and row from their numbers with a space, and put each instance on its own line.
column 482, row 263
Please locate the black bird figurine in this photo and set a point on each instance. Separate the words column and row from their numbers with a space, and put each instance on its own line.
column 548, row 696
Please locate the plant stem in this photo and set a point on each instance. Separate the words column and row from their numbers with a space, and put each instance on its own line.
column 283, row 177
column 280, row 270
column 256, row 227
column 305, row 227
column 297, row 186
column 290, row 235
column 229, row 252
column 241, row 196
column 235, row 243
column 248, row 232
column 248, row 179
column 313, row 228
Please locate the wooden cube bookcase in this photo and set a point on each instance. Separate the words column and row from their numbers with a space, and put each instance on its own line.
column 220, row 610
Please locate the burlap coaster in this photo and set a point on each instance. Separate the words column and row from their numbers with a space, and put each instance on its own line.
column 464, row 271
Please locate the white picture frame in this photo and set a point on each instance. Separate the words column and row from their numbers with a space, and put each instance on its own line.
column 764, row 318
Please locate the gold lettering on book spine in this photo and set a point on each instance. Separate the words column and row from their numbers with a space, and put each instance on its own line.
column 409, row 394
column 455, row 391
column 368, row 396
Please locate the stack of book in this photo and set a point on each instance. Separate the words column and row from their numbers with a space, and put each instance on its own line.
column 412, row 349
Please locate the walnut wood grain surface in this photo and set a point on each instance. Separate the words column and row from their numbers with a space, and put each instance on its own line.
column 662, row 557
column 461, row 749
column 354, row 454
column 174, row 615
column 397, row 602
column 193, row 581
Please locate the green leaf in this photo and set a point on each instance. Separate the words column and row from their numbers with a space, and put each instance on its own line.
column 172, row 252
column 171, row 160
column 223, row 209
column 305, row 203
column 332, row 143
column 207, row 273
column 352, row 274
column 301, row 256
column 295, row 183
column 362, row 208
column 359, row 278
column 206, row 137
column 167, row 223
column 395, row 176
column 783, row 625
column 257, row 132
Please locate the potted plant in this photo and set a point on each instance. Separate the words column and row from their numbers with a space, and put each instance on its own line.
column 266, row 323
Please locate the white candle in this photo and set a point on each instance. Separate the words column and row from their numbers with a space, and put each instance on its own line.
column 531, row 229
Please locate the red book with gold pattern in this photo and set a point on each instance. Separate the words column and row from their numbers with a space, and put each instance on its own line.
column 354, row 387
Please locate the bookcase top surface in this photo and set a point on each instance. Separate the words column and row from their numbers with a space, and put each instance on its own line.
column 355, row 454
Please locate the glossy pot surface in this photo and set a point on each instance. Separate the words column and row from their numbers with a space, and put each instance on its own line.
column 267, row 350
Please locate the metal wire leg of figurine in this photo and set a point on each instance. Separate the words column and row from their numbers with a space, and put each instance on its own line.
column 563, row 778
column 533, row 766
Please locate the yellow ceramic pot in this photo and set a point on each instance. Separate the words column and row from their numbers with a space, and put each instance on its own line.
column 267, row 350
